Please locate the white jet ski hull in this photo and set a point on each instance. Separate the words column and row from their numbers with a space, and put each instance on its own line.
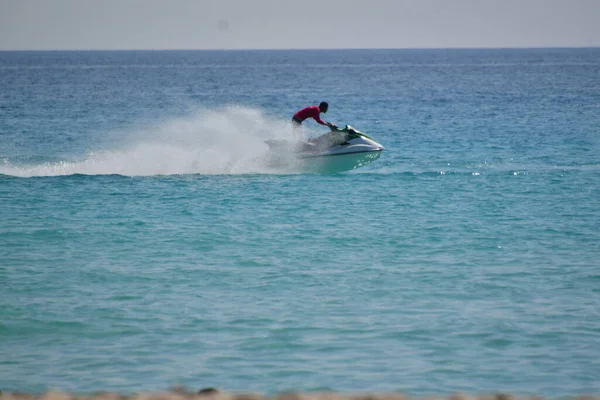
column 351, row 149
column 341, row 162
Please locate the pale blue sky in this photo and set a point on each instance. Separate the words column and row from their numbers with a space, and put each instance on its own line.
column 277, row 24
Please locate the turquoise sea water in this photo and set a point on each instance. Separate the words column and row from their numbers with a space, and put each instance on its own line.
column 144, row 245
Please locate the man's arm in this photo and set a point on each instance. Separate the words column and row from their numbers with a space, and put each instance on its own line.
column 320, row 121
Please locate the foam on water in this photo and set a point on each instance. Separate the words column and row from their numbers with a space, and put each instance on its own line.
column 228, row 140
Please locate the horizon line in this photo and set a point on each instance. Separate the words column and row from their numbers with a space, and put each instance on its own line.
column 306, row 48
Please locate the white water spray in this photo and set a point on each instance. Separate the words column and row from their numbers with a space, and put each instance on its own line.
column 228, row 140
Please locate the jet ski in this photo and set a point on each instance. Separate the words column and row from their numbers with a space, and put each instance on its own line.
column 342, row 149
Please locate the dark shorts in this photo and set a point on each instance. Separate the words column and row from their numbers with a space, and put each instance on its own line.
column 296, row 121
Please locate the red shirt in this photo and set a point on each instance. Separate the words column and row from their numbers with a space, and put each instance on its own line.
column 309, row 112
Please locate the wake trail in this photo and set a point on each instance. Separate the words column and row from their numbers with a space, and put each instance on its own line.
column 228, row 140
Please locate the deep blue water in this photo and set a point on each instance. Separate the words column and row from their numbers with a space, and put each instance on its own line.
column 144, row 245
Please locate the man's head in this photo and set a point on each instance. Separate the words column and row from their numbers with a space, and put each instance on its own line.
column 323, row 107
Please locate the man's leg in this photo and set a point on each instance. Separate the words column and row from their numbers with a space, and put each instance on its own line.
column 297, row 133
